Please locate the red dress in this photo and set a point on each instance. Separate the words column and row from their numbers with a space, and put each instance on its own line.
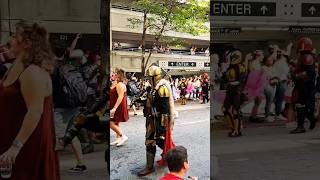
column 37, row 159
column 121, row 114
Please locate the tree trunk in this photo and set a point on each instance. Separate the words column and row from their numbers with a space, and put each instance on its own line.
column 105, row 37
column 143, row 42
column 105, row 59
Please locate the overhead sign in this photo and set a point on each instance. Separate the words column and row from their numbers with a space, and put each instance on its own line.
column 310, row 10
column 305, row 29
column 242, row 8
column 226, row 30
column 182, row 64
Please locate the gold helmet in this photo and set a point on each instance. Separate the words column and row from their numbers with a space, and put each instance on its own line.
column 154, row 73
column 235, row 57
column 154, row 70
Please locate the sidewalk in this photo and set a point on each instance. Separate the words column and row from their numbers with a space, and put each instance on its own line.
column 220, row 123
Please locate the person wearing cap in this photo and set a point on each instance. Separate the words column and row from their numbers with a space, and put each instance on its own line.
column 236, row 76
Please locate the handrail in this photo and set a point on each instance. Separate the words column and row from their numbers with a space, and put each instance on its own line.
column 126, row 8
column 172, row 52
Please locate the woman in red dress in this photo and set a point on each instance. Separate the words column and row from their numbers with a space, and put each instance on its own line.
column 27, row 135
column 118, row 103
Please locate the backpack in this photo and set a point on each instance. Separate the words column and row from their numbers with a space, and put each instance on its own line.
column 73, row 85
column 132, row 88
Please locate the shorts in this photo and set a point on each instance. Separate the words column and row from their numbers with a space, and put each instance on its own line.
column 130, row 99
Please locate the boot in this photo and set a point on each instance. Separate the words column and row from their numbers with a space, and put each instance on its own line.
column 298, row 130
column 149, row 167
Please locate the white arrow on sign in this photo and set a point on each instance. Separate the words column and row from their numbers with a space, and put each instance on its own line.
column 264, row 9
column 312, row 10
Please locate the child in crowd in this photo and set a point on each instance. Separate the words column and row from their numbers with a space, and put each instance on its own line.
column 178, row 165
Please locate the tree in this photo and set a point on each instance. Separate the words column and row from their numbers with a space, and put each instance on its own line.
column 159, row 18
column 105, row 55
column 105, row 35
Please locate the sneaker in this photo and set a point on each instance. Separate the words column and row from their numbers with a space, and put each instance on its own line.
column 123, row 139
column 78, row 169
column 269, row 119
column 115, row 142
column 280, row 118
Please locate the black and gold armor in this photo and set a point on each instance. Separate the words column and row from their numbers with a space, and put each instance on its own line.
column 183, row 91
column 236, row 76
column 158, row 113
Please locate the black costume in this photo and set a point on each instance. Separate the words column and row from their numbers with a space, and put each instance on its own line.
column 304, row 78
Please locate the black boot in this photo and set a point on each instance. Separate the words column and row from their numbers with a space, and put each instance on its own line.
column 149, row 167
column 298, row 130
column 300, row 120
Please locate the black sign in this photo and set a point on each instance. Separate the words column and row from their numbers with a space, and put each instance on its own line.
column 182, row 64
column 226, row 30
column 206, row 64
column 242, row 8
column 310, row 10
column 304, row 29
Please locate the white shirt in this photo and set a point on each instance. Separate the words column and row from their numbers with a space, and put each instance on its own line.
column 281, row 69
column 197, row 83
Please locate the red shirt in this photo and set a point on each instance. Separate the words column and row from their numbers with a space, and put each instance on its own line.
column 169, row 176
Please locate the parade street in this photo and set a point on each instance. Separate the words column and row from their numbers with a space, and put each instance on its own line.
column 191, row 130
column 266, row 151
column 97, row 168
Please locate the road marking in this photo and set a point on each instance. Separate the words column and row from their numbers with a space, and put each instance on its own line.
column 194, row 122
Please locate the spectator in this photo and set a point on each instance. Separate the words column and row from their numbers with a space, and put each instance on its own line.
column 177, row 162
column 207, row 52
column 119, row 45
column 132, row 91
column 281, row 69
column 196, row 88
column 26, row 107
column 119, row 111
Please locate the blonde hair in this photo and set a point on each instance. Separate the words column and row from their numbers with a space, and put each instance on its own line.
column 39, row 53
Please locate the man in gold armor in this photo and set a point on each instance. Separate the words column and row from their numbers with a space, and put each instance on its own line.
column 236, row 75
column 158, row 111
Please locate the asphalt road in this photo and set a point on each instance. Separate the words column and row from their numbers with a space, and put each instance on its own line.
column 191, row 130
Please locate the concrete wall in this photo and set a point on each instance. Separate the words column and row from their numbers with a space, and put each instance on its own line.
column 131, row 61
column 63, row 16
column 71, row 16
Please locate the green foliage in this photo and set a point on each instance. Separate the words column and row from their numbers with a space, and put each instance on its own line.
column 171, row 15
